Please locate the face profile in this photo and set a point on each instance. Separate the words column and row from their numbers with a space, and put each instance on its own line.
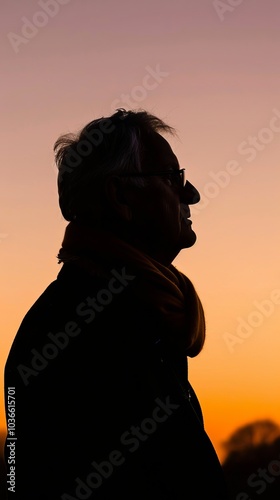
column 160, row 209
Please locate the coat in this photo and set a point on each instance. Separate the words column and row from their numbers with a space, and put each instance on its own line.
column 104, row 408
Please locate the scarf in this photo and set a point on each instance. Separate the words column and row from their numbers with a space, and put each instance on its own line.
column 165, row 289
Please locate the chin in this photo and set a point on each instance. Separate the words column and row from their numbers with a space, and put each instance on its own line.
column 188, row 240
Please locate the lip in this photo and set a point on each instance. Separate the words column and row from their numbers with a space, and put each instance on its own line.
column 185, row 219
column 185, row 211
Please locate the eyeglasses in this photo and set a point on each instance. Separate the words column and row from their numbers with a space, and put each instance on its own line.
column 175, row 176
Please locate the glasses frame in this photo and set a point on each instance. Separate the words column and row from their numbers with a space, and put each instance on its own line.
column 180, row 174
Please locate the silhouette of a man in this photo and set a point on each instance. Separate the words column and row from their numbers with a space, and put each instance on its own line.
column 104, row 407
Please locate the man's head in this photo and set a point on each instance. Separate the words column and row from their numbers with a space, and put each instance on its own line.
column 119, row 173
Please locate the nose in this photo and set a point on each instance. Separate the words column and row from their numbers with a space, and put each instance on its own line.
column 190, row 195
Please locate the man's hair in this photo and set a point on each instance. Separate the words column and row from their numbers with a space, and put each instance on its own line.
column 116, row 144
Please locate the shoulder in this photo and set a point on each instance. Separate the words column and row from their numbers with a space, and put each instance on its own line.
column 93, row 314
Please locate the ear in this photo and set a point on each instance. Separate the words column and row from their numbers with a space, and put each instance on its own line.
column 117, row 201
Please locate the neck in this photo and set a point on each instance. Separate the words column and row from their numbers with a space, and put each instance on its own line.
column 160, row 253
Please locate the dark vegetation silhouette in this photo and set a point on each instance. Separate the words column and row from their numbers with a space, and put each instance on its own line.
column 252, row 462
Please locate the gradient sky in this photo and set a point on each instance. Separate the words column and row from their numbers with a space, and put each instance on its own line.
column 215, row 77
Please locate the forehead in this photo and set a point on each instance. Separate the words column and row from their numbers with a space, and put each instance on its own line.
column 159, row 153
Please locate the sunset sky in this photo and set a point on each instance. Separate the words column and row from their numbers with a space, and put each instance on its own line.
column 212, row 71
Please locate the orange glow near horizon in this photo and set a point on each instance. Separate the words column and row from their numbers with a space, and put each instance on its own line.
column 215, row 78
